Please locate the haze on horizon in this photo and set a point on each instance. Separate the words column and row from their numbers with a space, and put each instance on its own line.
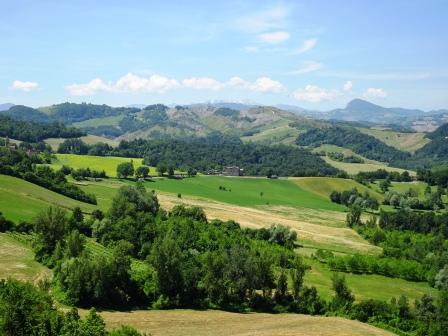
column 314, row 54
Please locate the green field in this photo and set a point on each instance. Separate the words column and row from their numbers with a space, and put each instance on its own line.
column 88, row 139
column 239, row 191
column 408, row 142
column 107, row 163
column 246, row 191
column 22, row 200
column 366, row 285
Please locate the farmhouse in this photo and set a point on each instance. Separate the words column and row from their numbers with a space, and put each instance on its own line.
column 232, row 171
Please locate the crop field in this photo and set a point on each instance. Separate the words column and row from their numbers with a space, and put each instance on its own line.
column 22, row 200
column 185, row 322
column 408, row 142
column 107, row 163
column 88, row 139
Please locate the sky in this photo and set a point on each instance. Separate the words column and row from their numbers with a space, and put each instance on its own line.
column 317, row 54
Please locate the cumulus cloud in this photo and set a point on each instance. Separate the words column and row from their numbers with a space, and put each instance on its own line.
column 155, row 83
column 374, row 93
column 315, row 94
column 87, row 89
column 160, row 84
column 307, row 67
column 202, row 83
column 24, row 86
column 306, row 46
column 262, row 84
column 128, row 83
column 274, row 37
column 348, row 86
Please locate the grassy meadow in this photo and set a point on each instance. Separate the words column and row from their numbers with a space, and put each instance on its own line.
column 408, row 142
column 107, row 163
column 22, row 200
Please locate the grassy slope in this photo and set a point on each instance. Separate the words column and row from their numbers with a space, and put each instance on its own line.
column 17, row 260
column 108, row 164
column 88, row 139
column 323, row 186
column 22, row 200
column 95, row 122
column 365, row 285
column 409, row 142
column 246, row 191
column 353, row 168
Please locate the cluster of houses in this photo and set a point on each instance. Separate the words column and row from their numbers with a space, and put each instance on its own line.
column 227, row 171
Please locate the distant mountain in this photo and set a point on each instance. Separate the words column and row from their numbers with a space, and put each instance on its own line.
column 6, row 106
column 361, row 110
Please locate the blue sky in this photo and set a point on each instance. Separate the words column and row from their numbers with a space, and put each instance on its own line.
column 314, row 54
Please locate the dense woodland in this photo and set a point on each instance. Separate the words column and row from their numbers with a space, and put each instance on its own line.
column 35, row 132
column 256, row 160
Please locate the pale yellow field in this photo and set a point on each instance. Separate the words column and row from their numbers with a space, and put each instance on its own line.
column 409, row 142
column 218, row 323
column 88, row 139
column 17, row 261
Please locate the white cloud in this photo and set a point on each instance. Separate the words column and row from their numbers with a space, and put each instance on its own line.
column 24, row 86
column 307, row 67
column 160, row 84
column 202, row 83
column 273, row 18
column 128, row 83
column 266, row 84
column 306, row 46
column 87, row 89
column 274, row 37
column 374, row 93
column 262, row 84
column 348, row 86
column 134, row 83
column 315, row 94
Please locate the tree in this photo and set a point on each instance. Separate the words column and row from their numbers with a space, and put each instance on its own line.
column 442, row 279
column 170, row 171
column 51, row 227
column 161, row 169
column 354, row 216
column 384, row 185
column 125, row 169
column 142, row 172
column 343, row 298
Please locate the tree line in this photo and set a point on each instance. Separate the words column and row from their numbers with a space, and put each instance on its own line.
column 34, row 132
column 257, row 160
column 19, row 164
